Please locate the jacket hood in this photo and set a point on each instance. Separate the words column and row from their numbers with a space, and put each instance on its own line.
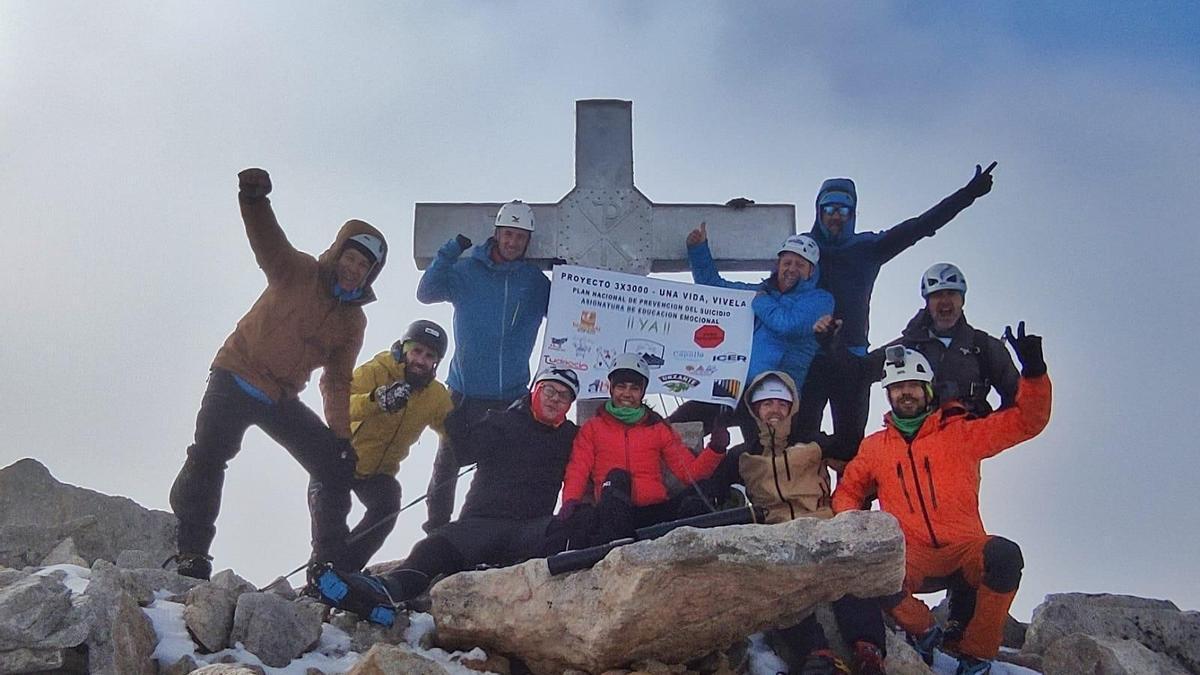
column 328, row 259
column 484, row 255
column 818, row 231
column 764, row 432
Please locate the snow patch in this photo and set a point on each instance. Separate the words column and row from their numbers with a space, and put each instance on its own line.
column 763, row 660
column 74, row 577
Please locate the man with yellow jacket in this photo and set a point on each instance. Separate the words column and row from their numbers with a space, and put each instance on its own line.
column 309, row 316
column 393, row 398
column 925, row 466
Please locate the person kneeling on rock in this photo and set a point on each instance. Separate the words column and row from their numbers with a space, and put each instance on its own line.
column 520, row 454
column 925, row 466
column 620, row 452
column 789, row 478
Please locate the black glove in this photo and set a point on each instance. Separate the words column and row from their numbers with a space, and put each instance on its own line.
column 394, row 396
column 1028, row 349
column 981, row 184
column 462, row 241
column 719, row 440
column 253, row 185
column 739, row 202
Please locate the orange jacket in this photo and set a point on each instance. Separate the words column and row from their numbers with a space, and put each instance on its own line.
column 931, row 485
column 605, row 443
column 296, row 325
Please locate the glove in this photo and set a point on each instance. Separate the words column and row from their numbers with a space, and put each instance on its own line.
column 719, row 440
column 253, row 185
column 981, row 183
column 393, row 397
column 1028, row 349
column 462, row 241
column 739, row 202
column 567, row 510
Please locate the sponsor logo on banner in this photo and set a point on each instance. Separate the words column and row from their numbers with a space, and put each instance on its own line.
column 700, row 371
column 709, row 335
column 583, row 347
column 727, row 388
column 688, row 355
column 651, row 351
column 556, row 343
column 647, row 325
column 605, row 358
column 729, row 358
column 587, row 323
column 678, row 382
column 565, row 363
column 598, row 386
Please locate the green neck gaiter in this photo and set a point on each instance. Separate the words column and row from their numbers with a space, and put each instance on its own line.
column 909, row 425
column 626, row 415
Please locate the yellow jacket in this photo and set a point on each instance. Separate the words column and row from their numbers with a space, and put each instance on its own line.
column 382, row 440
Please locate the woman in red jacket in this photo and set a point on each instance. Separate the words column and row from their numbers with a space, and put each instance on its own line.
column 620, row 452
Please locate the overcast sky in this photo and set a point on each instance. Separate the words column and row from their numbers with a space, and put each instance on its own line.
column 123, row 126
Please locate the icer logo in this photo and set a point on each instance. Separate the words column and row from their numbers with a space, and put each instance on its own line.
column 730, row 358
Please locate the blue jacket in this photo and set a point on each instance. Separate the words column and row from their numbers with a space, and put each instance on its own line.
column 850, row 263
column 783, row 334
column 498, row 310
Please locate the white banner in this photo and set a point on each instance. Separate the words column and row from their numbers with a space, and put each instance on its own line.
column 695, row 338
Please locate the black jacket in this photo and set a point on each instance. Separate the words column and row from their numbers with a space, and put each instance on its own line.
column 520, row 463
column 966, row 370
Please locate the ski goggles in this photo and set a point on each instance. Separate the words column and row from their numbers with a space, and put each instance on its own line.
column 830, row 209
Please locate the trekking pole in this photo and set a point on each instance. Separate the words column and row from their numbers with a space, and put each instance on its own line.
column 390, row 516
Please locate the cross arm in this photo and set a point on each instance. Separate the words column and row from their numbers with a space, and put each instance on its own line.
column 741, row 240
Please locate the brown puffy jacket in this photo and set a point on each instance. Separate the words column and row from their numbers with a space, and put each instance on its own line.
column 931, row 482
column 297, row 325
column 788, row 480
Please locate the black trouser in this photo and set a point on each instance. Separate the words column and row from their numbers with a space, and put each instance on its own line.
column 467, row 543
column 439, row 500
column 226, row 411
column 840, row 382
column 615, row 516
column 858, row 619
column 381, row 495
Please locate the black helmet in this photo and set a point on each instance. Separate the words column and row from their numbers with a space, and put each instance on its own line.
column 425, row 332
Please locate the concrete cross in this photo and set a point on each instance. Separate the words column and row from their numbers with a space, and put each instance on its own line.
column 605, row 222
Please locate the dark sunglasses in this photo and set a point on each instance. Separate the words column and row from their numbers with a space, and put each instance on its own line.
column 830, row 209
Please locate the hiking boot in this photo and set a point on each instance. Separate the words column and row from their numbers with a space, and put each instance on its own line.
column 194, row 565
column 823, row 662
column 354, row 592
column 927, row 643
column 969, row 665
column 868, row 659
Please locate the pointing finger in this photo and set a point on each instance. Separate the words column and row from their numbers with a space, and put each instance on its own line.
column 987, row 170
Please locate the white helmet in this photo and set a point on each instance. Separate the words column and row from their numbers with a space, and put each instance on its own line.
column 516, row 214
column 803, row 246
column 943, row 277
column 905, row 366
column 634, row 362
column 771, row 387
column 371, row 245
column 563, row 376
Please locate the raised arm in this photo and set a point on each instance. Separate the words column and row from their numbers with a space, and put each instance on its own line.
column 704, row 268
column 902, row 235
column 274, row 253
column 441, row 282
column 1029, row 414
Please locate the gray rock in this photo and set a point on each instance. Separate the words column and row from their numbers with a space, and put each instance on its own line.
column 9, row 577
column 138, row 560
column 1157, row 624
column 183, row 666
column 38, row 512
column 902, row 659
column 229, row 580
column 228, row 669
column 364, row 634
column 274, row 629
column 1079, row 653
column 64, row 554
column 736, row 580
column 396, row 660
column 120, row 638
column 208, row 613
column 142, row 583
column 42, row 661
column 36, row 613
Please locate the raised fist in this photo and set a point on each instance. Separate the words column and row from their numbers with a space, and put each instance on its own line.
column 254, row 184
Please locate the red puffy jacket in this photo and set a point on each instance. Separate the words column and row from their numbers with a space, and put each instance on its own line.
column 605, row 443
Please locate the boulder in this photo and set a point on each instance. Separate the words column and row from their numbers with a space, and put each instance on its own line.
column 142, row 583
column 208, row 613
column 122, row 639
column 138, row 560
column 396, row 660
column 902, row 659
column 672, row 599
column 275, row 629
column 1079, row 653
column 64, row 554
column 37, row 513
column 36, row 613
column 43, row 661
column 364, row 634
column 1157, row 624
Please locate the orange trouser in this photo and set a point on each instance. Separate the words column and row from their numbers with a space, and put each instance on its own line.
column 991, row 565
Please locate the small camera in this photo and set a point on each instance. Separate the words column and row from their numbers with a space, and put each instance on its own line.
column 894, row 355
